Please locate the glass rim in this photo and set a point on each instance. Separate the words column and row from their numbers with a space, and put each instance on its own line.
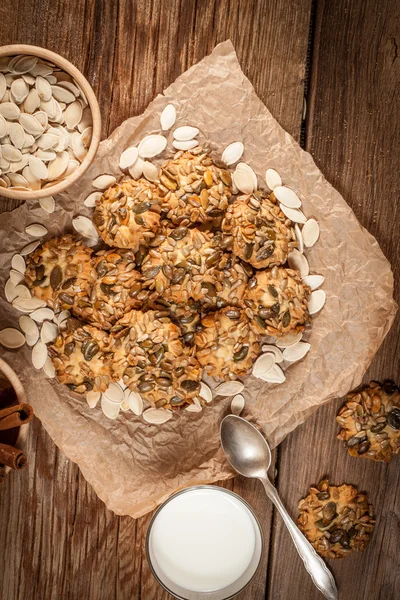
column 179, row 493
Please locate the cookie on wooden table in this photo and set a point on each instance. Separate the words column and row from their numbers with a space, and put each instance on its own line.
column 370, row 422
column 226, row 345
column 278, row 302
column 262, row 235
column 81, row 357
column 58, row 271
column 128, row 213
column 337, row 520
column 152, row 360
column 199, row 188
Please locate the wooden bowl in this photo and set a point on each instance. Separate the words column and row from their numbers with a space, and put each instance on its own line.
column 66, row 66
column 7, row 375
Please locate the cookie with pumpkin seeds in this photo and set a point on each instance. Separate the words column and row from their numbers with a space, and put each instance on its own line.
column 152, row 360
column 226, row 345
column 58, row 271
column 198, row 188
column 277, row 302
column 82, row 358
column 128, row 213
column 337, row 520
column 370, row 422
column 115, row 287
column 262, row 234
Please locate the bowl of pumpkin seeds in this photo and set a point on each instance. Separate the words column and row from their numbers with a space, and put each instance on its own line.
column 50, row 123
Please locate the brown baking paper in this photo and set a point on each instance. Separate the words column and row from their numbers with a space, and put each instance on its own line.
column 134, row 466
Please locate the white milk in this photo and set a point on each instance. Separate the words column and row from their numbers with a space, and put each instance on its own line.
column 203, row 540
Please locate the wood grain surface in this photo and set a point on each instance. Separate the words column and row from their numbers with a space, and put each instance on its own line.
column 58, row 541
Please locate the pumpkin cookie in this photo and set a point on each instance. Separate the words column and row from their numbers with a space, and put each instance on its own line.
column 128, row 213
column 81, row 357
column 277, row 302
column 262, row 234
column 370, row 422
column 198, row 190
column 58, row 271
column 115, row 287
column 226, row 346
column 151, row 359
column 337, row 520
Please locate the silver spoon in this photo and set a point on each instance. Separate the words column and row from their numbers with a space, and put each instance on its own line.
column 249, row 454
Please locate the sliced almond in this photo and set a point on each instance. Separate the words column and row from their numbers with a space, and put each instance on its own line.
column 157, row 416
column 237, row 404
column 272, row 179
column 39, row 355
column 232, row 153
column 85, row 227
column 310, row 232
column 229, row 388
column 316, row 301
column 128, row 157
column 188, row 145
column 103, row 181
column 263, row 364
column 135, row 403
column 168, row 117
column 11, row 338
column 47, row 204
column 298, row 262
column 314, row 281
column 296, row 352
column 205, row 392
column 91, row 200
column 151, row 146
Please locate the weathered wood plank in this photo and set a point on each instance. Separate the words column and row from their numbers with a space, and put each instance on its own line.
column 353, row 134
column 60, row 540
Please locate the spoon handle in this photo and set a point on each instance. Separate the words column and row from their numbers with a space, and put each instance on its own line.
column 319, row 572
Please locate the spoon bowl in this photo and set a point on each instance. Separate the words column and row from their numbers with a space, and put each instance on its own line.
column 244, row 446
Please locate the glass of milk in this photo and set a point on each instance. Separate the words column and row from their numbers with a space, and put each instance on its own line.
column 204, row 543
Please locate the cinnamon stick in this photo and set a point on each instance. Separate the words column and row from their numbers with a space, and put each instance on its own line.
column 14, row 416
column 12, row 457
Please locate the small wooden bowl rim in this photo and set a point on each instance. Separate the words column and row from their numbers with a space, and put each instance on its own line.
column 20, row 393
column 58, row 60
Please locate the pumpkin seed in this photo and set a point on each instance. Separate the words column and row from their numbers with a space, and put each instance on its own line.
column 114, row 393
column 91, row 200
column 229, row 388
column 136, row 170
column 16, row 277
column 157, row 416
column 296, row 352
column 298, row 262
column 273, row 350
column 150, row 171
column 17, row 135
column 310, row 232
column 36, row 230
column 205, row 392
column 168, row 117
column 286, row 196
column 85, row 227
column 313, row 281
column 103, row 181
column 10, row 290
column 272, row 179
column 316, row 301
column 18, row 263
column 39, row 355
column 11, row 338
column 247, row 169
column 237, row 404
column 49, row 331
column 289, row 339
column 9, row 111
column 128, row 157
column 152, row 145
column 274, row 375
column 41, row 314
column 232, row 153
column 92, row 398
column 263, row 364
column 294, row 214
column 186, row 145
column 110, row 409
column 135, row 402
column 185, row 133
column 243, row 181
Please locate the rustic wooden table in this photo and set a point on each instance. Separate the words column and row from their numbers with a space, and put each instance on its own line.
column 341, row 61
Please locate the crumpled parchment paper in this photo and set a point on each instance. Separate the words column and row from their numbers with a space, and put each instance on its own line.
column 134, row 466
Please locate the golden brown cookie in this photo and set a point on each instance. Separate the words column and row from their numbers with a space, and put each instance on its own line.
column 277, row 302
column 337, row 520
column 128, row 213
column 58, row 271
column 226, row 345
column 370, row 422
column 151, row 359
column 262, row 235
column 115, row 287
column 198, row 190
column 82, row 358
